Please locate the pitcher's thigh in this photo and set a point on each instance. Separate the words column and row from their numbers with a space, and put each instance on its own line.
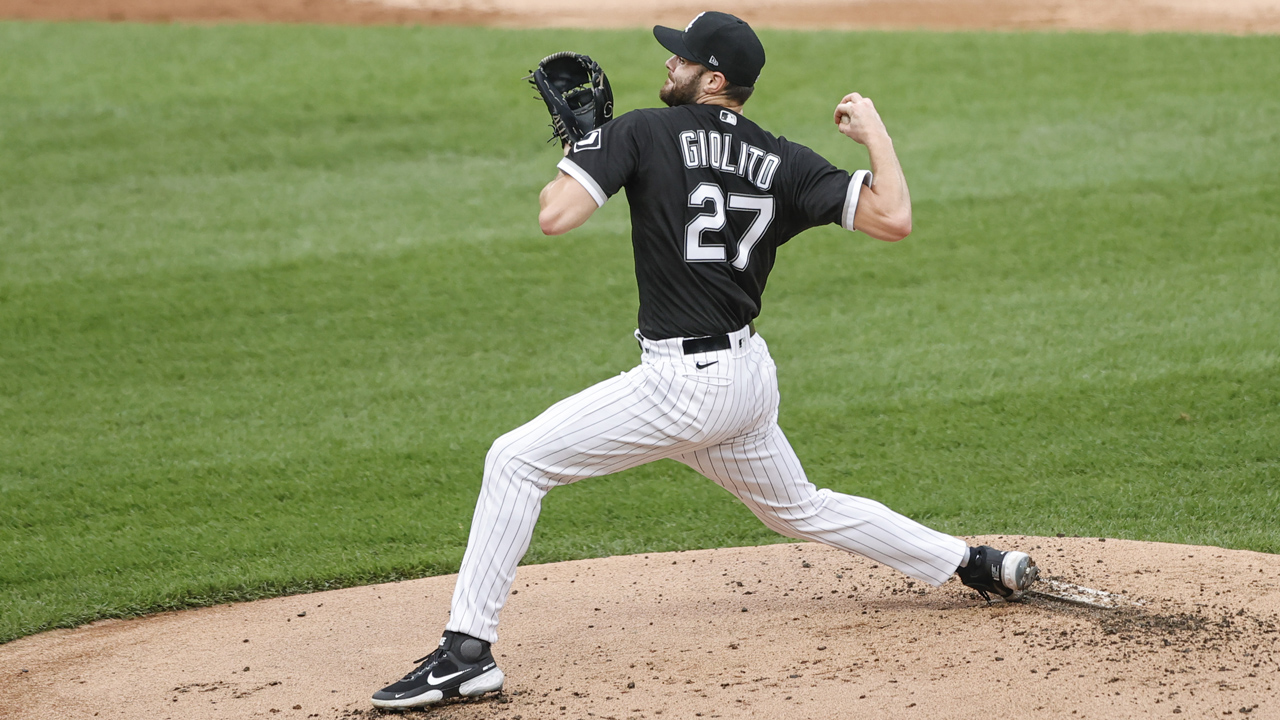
column 606, row 428
column 763, row 472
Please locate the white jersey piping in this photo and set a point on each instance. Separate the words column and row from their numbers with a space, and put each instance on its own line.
column 860, row 178
column 572, row 169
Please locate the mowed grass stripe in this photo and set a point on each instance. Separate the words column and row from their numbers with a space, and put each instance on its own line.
column 268, row 293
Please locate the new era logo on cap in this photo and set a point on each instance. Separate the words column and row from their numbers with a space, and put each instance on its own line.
column 718, row 40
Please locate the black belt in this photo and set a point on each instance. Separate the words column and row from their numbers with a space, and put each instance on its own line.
column 711, row 343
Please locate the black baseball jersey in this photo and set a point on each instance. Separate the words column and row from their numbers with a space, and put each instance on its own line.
column 712, row 196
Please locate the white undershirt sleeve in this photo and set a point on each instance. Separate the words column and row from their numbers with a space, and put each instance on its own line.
column 574, row 171
column 860, row 178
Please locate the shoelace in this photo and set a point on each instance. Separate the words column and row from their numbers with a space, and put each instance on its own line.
column 428, row 663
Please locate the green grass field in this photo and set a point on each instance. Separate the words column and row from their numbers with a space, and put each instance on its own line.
column 268, row 293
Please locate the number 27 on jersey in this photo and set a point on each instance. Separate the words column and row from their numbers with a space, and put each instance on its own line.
column 711, row 199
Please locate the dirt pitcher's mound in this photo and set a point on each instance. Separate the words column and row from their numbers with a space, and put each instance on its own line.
column 782, row 631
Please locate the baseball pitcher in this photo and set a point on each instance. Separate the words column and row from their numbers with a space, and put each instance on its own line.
column 712, row 196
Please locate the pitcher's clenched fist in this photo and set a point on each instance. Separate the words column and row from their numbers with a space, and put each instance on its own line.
column 857, row 118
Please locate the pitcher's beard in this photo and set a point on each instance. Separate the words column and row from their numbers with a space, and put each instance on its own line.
column 674, row 93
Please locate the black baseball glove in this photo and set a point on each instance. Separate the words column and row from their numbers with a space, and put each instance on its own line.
column 576, row 92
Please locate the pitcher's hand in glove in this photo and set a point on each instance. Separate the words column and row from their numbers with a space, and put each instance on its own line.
column 576, row 92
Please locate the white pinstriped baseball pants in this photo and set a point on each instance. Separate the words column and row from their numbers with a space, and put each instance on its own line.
column 721, row 420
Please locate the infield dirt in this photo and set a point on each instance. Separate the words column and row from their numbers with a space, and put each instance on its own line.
column 781, row 631
column 1230, row 16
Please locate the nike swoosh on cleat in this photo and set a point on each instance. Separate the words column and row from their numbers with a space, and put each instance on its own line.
column 433, row 680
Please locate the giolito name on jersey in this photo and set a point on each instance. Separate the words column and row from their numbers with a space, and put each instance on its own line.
column 700, row 149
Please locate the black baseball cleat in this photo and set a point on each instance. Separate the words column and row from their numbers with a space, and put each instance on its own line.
column 1007, row 574
column 461, row 666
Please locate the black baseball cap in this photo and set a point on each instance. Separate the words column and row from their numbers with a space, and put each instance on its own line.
column 719, row 41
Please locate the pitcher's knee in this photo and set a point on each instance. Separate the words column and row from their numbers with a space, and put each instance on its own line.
column 784, row 526
column 795, row 520
column 797, row 529
column 501, row 451
column 503, row 458
column 508, row 462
